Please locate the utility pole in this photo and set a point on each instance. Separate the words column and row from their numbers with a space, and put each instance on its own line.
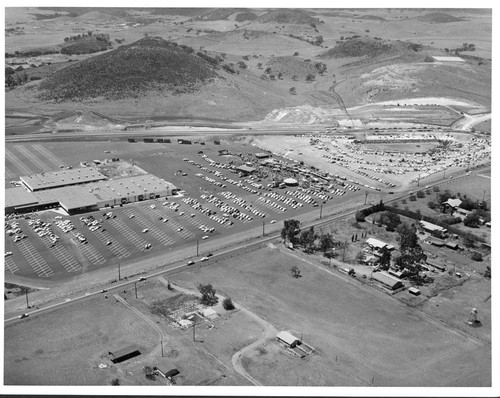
column 484, row 193
column 135, row 284
column 194, row 332
column 263, row 232
column 27, row 303
column 366, row 196
column 343, row 253
column 321, row 211
column 197, row 246
column 418, row 181
column 162, row 348
column 119, row 277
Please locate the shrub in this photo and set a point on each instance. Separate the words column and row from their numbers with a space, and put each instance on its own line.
column 413, row 198
column 420, row 194
column 227, row 303
column 476, row 256
column 115, row 382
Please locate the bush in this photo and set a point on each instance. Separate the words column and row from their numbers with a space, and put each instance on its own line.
column 476, row 256
column 420, row 194
column 413, row 198
column 227, row 303
column 115, row 382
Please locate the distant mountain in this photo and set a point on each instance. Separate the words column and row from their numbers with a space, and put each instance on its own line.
column 133, row 69
column 438, row 17
column 288, row 16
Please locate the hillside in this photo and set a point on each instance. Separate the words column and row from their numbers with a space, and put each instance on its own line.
column 367, row 47
column 289, row 17
column 148, row 64
column 438, row 17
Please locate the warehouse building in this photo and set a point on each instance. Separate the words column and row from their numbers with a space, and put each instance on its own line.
column 123, row 354
column 62, row 178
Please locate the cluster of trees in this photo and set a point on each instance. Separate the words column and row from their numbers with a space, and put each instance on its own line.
column 412, row 254
column 98, row 36
column 362, row 214
column 16, row 79
column 208, row 296
column 308, row 239
column 389, row 219
column 465, row 47
column 321, row 67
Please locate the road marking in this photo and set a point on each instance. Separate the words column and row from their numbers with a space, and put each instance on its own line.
column 48, row 155
column 34, row 258
column 32, row 158
column 11, row 265
column 15, row 160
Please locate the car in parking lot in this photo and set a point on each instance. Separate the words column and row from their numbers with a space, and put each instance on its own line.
column 108, row 243
column 273, row 221
column 180, row 229
column 204, row 259
column 131, row 216
column 145, row 230
column 205, row 237
column 147, row 246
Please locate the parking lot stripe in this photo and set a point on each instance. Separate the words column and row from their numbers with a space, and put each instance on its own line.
column 128, row 233
column 144, row 221
column 11, row 265
column 51, row 158
column 35, row 260
column 15, row 160
column 88, row 250
column 32, row 157
column 116, row 248
column 67, row 260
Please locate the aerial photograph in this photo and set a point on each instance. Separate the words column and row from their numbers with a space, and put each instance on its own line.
column 223, row 198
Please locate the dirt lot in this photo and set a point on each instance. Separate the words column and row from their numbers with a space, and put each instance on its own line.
column 85, row 333
column 349, row 326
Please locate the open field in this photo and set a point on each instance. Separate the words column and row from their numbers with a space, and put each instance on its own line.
column 369, row 333
column 85, row 333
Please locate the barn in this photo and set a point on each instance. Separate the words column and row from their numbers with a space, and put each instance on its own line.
column 289, row 339
column 387, row 280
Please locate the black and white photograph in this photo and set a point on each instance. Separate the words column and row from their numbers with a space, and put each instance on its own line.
column 281, row 199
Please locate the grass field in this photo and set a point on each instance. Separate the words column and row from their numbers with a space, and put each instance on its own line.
column 369, row 335
column 66, row 347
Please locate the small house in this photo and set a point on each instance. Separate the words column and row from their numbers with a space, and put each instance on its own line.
column 387, row 280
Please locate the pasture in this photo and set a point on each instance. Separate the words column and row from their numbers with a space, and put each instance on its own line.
column 365, row 334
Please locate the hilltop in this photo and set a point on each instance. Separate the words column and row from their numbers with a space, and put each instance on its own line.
column 367, row 47
column 148, row 64
column 438, row 17
column 288, row 17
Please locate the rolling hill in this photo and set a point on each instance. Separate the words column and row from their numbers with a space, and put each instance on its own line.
column 148, row 64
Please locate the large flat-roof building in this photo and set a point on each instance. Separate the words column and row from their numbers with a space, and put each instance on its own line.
column 62, row 178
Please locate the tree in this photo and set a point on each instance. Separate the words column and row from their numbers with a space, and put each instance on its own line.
column 326, row 242
column 307, row 239
column 227, row 304
column 290, row 230
column 259, row 65
column 476, row 256
column 319, row 40
column 472, row 220
column 295, row 77
column 469, row 240
column 208, row 294
column 280, row 75
column 295, row 272
column 296, row 53
column 268, row 70
column 389, row 219
column 115, row 382
column 385, row 258
column 292, row 91
column 310, row 77
column 411, row 251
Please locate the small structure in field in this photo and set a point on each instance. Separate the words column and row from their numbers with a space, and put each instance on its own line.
column 289, row 339
column 123, row 354
column 388, row 280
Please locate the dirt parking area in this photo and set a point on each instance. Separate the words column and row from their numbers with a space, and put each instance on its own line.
column 375, row 338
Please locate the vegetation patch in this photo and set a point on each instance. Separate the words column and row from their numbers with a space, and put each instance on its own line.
column 148, row 64
column 439, row 17
column 359, row 47
column 288, row 16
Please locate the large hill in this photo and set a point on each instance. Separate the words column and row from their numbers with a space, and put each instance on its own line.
column 148, row 64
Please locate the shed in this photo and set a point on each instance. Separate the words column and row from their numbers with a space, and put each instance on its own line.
column 452, row 245
column 432, row 227
column 171, row 373
column 288, row 338
column 414, row 291
column 436, row 242
column 436, row 264
column 245, row 169
column 387, row 280
column 125, row 353
column 378, row 244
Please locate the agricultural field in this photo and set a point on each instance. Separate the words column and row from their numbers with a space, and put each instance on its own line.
column 86, row 332
column 336, row 321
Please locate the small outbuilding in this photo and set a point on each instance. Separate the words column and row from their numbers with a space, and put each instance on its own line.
column 123, row 354
column 289, row 339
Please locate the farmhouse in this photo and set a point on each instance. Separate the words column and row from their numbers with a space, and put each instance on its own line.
column 436, row 264
column 262, row 155
column 432, row 228
column 387, row 280
column 123, row 354
column 287, row 338
column 435, row 242
column 376, row 244
column 452, row 205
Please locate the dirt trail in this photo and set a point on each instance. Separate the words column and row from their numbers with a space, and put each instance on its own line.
column 268, row 332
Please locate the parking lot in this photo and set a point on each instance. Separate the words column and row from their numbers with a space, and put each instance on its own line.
column 215, row 199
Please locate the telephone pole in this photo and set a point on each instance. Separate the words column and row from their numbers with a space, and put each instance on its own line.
column 321, row 211
column 263, row 232
column 197, row 246
column 366, row 196
column 119, row 276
